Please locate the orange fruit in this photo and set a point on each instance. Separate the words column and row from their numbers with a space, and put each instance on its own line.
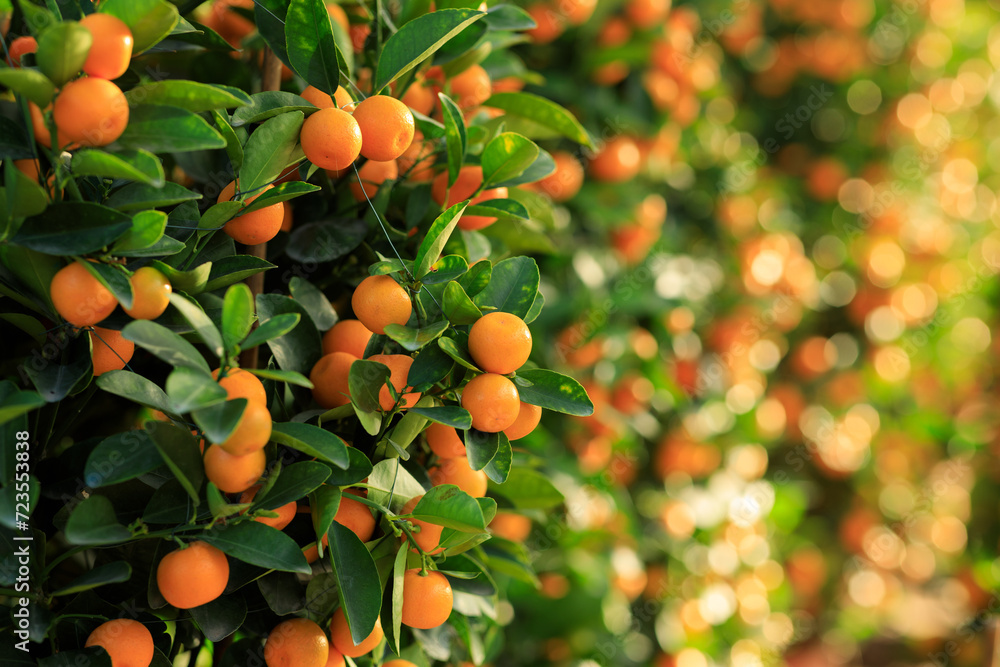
column 399, row 370
column 372, row 175
column 151, row 294
column 386, row 127
column 470, row 177
column 110, row 351
column 28, row 167
column 499, row 342
column 444, row 441
column 79, row 297
column 340, row 636
column 336, row 659
column 398, row 663
column 286, row 217
column 252, row 431
column 566, row 180
column 331, row 139
column 548, row 23
column 528, row 417
column 349, row 336
column 471, row 87
column 192, row 576
column 356, row 516
column 128, row 642
column 285, row 513
column 111, row 51
column 41, row 132
column 458, row 472
column 427, row 599
column 578, row 11
column 338, row 15
column 233, row 474
column 417, row 161
column 91, row 112
column 618, row 161
column 492, row 401
column 19, row 47
column 380, row 300
column 511, row 526
column 330, row 376
column 426, row 535
column 239, row 383
column 341, row 98
column 255, row 227
column 419, row 97
column 231, row 26
column 615, row 32
column 647, row 13
column 297, row 642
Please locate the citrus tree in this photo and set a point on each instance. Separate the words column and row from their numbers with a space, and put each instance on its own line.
column 205, row 456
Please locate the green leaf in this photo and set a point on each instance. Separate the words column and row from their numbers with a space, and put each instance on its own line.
column 325, row 241
column 109, row 573
column 398, row 574
column 360, row 468
column 546, row 118
column 29, row 82
column 477, row 278
column 233, row 269
column 460, row 355
column 19, row 403
column 324, row 502
column 237, row 315
column 312, row 441
column 312, row 49
column 447, row 505
column 93, row 522
column 189, row 95
column 14, row 142
column 189, row 390
column 180, row 452
column 62, row 50
column 192, row 281
column 219, row 421
column 95, row 656
column 431, row 365
column 147, row 228
column 457, row 306
column 314, row 301
column 412, row 339
column 234, row 146
column 55, row 381
column 365, row 380
column 269, row 150
column 553, row 391
column 508, row 17
column 296, row 481
column 449, row 267
column 275, row 327
column 269, row 15
column 358, row 584
column 481, row 447
column 258, row 544
column 166, row 129
column 135, row 388
column 455, row 137
column 268, row 105
column 418, row 40
column 498, row 469
column 25, row 197
column 512, row 287
column 136, row 196
column 199, row 321
column 449, row 415
column 529, row 489
column 506, row 157
column 72, row 228
column 543, row 166
column 299, row 349
column 221, row 617
column 288, row 377
column 280, row 193
column 436, row 238
column 149, row 20
column 121, row 457
column 165, row 344
column 536, row 308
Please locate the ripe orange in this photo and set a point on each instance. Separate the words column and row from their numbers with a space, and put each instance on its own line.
column 427, row 599
column 499, row 342
column 233, row 474
column 444, row 441
column 417, row 161
column 341, row 98
column 110, row 351
column 548, row 24
column 340, row 636
column 458, row 472
column 528, row 417
column 91, row 112
column 255, row 227
column 647, row 13
column 336, row 659
column 19, row 47
column 426, row 535
column 151, row 291
column 399, row 370
column 511, row 526
column 578, row 11
column 356, row 516
column 331, row 139
column 380, row 300
column 471, row 87
column 230, row 25
column 492, row 401
column 372, row 175
column 41, row 132
column 192, row 576
column 285, row 513
column 349, row 336
column 286, row 217
column 297, row 642
column 252, row 431
column 470, row 177
column 128, row 642
column 239, row 383
column 618, row 161
column 79, row 297
column 398, row 663
column 386, row 127
column 566, row 180
column 111, row 51
column 338, row 15
column 419, row 97
column 330, row 379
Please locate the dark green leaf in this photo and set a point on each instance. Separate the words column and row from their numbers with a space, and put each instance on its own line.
column 499, row 466
column 55, row 380
column 19, row 403
column 508, row 17
column 93, row 522
column 267, row 105
column 149, row 20
column 112, row 277
column 189, row 95
column 326, row 240
column 135, row 388
column 109, row 573
column 431, row 365
column 296, row 481
column 166, row 129
column 147, row 229
column 358, row 581
column 180, row 452
column 449, row 415
column 199, row 321
column 299, row 349
column 481, row 447
column 280, row 193
column 459, row 354
column 234, row 146
column 190, row 389
column 72, row 228
column 275, row 327
column 288, row 377
column 138, row 196
column 506, row 157
column 192, row 281
column 218, row 421
column 412, row 339
column 312, row 441
column 312, row 49
column 365, row 380
column 477, row 278
column 553, row 391
column 221, row 617
column 259, row 544
column 314, row 301
column 454, row 136
column 121, row 457
column 512, row 287
column 447, row 505
column 165, row 344
column 457, row 306
column 270, row 150
column 229, row 270
column 133, row 165
column 436, row 238
column 360, row 468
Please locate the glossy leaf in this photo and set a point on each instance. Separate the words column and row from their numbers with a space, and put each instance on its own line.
column 553, row 391
column 73, row 228
column 189, row 95
column 149, row 20
column 312, row 441
column 199, row 321
column 258, row 544
column 359, row 588
column 543, row 116
column 269, row 150
column 237, row 315
column 94, row 522
column 121, row 457
column 167, row 129
column 512, row 287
